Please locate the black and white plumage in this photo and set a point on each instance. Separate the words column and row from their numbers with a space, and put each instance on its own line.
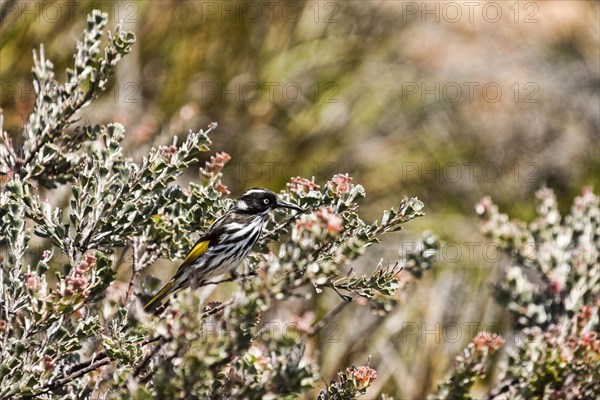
column 226, row 243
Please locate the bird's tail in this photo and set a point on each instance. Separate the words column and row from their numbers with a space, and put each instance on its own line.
column 170, row 288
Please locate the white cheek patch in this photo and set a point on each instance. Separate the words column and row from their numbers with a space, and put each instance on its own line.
column 241, row 204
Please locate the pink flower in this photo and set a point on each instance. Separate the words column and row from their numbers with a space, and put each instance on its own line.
column 85, row 265
column 333, row 222
column 48, row 363
column 46, row 255
column 362, row 376
column 588, row 338
column 556, row 287
column 484, row 206
column 487, row 341
column 221, row 188
column 213, row 168
column 33, row 282
column 584, row 316
column 301, row 185
column 77, row 282
column 216, row 164
column 340, row 184
column 305, row 223
column 169, row 152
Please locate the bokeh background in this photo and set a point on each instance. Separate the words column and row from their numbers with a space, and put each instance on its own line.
column 447, row 101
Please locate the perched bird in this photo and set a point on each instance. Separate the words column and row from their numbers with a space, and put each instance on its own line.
column 226, row 243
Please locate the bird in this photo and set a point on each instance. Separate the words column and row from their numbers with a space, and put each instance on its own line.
column 224, row 245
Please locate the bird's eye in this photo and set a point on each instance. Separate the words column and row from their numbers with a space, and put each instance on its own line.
column 266, row 201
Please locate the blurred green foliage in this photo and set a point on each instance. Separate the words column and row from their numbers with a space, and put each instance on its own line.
column 321, row 87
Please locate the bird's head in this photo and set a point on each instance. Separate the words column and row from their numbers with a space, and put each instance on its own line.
column 261, row 201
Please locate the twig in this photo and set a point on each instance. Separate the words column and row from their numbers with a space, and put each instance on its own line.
column 148, row 341
column 279, row 227
column 138, row 370
column 148, row 376
column 100, row 356
column 327, row 319
column 60, row 382
column 135, row 273
column 121, row 258
column 79, row 373
column 104, row 356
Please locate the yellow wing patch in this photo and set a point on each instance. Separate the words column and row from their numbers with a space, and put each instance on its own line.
column 197, row 251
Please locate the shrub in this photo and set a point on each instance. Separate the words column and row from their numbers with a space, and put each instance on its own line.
column 551, row 285
column 69, row 328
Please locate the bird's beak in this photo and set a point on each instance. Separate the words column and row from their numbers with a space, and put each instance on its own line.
column 285, row 204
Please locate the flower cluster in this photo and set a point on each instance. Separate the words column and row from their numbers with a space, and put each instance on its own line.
column 362, row 376
column 487, row 342
column 350, row 384
column 76, row 282
column 212, row 171
column 33, row 282
column 331, row 221
column 469, row 367
column 302, row 186
column 324, row 221
column 340, row 184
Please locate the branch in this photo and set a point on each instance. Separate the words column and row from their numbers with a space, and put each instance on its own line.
column 138, row 370
column 274, row 231
column 50, row 386
column 328, row 318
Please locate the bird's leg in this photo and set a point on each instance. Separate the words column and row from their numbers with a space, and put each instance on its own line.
column 236, row 275
column 247, row 275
